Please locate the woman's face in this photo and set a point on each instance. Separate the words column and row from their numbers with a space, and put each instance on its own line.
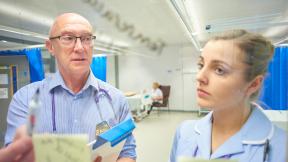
column 221, row 82
column 154, row 86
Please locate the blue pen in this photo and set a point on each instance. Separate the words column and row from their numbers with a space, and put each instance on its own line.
column 34, row 106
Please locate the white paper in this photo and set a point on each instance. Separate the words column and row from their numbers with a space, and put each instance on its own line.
column 108, row 153
column 61, row 148
column 3, row 93
column 72, row 148
column 4, row 79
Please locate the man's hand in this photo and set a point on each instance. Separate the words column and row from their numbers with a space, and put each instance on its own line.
column 98, row 159
column 20, row 150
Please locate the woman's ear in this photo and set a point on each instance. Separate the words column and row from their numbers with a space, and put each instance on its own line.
column 49, row 47
column 255, row 84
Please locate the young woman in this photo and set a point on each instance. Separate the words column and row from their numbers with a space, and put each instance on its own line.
column 232, row 67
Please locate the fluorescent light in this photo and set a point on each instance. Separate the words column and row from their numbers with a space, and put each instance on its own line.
column 187, row 23
column 22, row 32
column 22, row 47
column 279, row 45
column 279, row 42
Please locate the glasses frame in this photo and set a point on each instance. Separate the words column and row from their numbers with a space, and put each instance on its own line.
column 93, row 37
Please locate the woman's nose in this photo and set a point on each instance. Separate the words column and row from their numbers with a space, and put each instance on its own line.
column 201, row 76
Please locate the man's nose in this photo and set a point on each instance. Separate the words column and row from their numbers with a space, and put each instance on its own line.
column 78, row 44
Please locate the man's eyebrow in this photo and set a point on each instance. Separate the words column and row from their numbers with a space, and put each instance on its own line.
column 72, row 33
column 66, row 32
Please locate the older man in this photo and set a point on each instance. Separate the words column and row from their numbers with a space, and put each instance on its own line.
column 73, row 100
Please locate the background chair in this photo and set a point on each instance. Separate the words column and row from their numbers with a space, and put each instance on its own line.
column 166, row 93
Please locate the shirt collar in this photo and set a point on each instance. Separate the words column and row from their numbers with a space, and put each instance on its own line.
column 203, row 138
column 57, row 80
column 257, row 129
column 247, row 135
column 91, row 81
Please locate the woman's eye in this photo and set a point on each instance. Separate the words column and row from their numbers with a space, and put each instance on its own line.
column 200, row 66
column 219, row 71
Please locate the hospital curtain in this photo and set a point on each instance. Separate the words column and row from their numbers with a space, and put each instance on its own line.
column 275, row 88
column 34, row 59
column 98, row 67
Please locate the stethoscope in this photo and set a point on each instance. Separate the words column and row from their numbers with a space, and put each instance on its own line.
column 100, row 93
column 266, row 144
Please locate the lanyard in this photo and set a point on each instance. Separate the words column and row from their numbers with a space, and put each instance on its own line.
column 102, row 93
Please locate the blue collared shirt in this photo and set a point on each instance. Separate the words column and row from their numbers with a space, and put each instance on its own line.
column 193, row 139
column 74, row 113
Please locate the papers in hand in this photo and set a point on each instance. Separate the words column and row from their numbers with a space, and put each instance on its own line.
column 61, row 148
column 184, row 159
column 73, row 148
column 107, row 152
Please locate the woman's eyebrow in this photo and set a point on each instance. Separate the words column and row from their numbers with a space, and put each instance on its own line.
column 215, row 62
column 201, row 58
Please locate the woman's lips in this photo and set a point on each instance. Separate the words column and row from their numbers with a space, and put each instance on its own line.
column 202, row 93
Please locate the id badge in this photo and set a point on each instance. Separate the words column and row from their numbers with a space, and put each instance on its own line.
column 101, row 127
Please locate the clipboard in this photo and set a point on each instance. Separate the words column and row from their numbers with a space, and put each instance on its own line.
column 110, row 143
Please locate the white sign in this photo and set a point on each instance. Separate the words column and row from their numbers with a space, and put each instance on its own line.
column 3, row 93
column 4, row 79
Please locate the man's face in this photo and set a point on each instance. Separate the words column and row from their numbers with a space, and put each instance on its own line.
column 74, row 57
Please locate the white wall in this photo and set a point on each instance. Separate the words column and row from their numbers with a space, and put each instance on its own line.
column 175, row 67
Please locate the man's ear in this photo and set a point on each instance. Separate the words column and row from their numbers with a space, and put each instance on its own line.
column 49, row 47
column 255, row 84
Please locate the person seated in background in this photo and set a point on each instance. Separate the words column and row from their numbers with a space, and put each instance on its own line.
column 156, row 96
column 232, row 67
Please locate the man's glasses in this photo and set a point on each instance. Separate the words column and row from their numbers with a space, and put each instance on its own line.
column 70, row 40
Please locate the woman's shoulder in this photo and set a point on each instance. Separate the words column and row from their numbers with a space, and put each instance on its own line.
column 279, row 136
column 194, row 127
column 187, row 128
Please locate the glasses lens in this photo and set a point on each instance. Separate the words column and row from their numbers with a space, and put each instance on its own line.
column 87, row 40
column 67, row 39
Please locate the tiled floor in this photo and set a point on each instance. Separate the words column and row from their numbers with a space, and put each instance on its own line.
column 154, row 135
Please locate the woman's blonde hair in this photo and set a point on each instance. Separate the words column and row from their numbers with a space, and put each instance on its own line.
column 156, row 84
column 257, row 49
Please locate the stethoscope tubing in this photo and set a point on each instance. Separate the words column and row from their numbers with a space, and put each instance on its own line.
column 97, row 98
